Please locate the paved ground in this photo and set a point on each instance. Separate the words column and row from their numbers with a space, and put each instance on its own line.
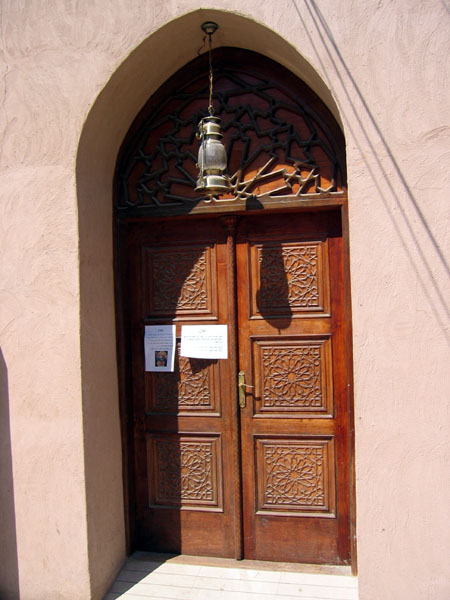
column 191, row 578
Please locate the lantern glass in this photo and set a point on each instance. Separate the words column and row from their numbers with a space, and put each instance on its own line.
column 212, row 157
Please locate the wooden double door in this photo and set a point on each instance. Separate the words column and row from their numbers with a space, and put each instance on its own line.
column 220, row 469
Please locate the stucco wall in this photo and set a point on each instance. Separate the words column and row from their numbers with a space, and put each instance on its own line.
column 74, row 76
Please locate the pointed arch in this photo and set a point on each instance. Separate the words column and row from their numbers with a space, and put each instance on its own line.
column 136, row 78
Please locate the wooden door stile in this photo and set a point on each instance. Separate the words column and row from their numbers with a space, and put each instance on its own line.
column 229, row 223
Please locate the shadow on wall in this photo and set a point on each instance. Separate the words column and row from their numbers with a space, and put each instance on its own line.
column 407, row 211
column 9, row 570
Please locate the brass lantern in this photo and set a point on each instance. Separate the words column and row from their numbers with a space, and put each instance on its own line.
column 212, row 158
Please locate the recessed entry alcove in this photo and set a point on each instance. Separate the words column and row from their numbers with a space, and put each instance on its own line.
column 271, row 262
column 267, row 469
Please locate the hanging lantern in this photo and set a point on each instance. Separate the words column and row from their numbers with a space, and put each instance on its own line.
column 212, row 158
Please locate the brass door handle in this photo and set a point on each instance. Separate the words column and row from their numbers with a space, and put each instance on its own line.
column 241, row 387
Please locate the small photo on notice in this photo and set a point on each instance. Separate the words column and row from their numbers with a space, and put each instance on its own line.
column 161, row 358
column 159, row 348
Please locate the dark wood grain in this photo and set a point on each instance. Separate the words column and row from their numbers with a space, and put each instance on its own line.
column 184, row 478
column 202, row 476
column 293, row 460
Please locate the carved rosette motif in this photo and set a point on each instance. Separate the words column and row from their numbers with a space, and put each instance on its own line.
column 294, row 476
column 288, row 275
column 179, row 281
column 187, row 387
column 185, row 472
column 292, row 377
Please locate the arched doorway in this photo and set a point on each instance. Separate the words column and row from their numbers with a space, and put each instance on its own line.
column 267, row 477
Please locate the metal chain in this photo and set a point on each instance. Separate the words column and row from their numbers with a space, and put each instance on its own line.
column 210, row 107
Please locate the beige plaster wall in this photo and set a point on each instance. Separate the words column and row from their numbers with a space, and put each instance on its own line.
column 74, row 76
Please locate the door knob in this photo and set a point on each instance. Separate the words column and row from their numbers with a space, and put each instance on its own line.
column 241, row 387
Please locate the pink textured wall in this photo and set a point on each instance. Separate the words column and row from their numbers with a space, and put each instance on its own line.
column 74, row 76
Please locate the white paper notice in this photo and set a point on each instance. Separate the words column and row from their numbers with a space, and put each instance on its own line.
column 159, row 347
column 204, row 341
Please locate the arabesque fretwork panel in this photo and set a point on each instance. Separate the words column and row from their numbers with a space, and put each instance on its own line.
column 280, row 141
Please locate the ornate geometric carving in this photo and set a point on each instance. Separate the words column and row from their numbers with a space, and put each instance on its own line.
column 277, row 145
column 292, row 377
column 189, row 387
column 293, row 475
column 289, row 273
column 179, row 280
column 186, row 471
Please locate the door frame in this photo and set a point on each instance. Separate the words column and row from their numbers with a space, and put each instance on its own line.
column 133, row 200
column 123, row 351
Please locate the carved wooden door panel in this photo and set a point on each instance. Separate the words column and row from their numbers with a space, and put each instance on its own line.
column 183, row 459
column 295, row 446
column 205, row 476
column 294, row 435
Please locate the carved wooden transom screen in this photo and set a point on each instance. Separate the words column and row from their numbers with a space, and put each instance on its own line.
column 282, row 142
